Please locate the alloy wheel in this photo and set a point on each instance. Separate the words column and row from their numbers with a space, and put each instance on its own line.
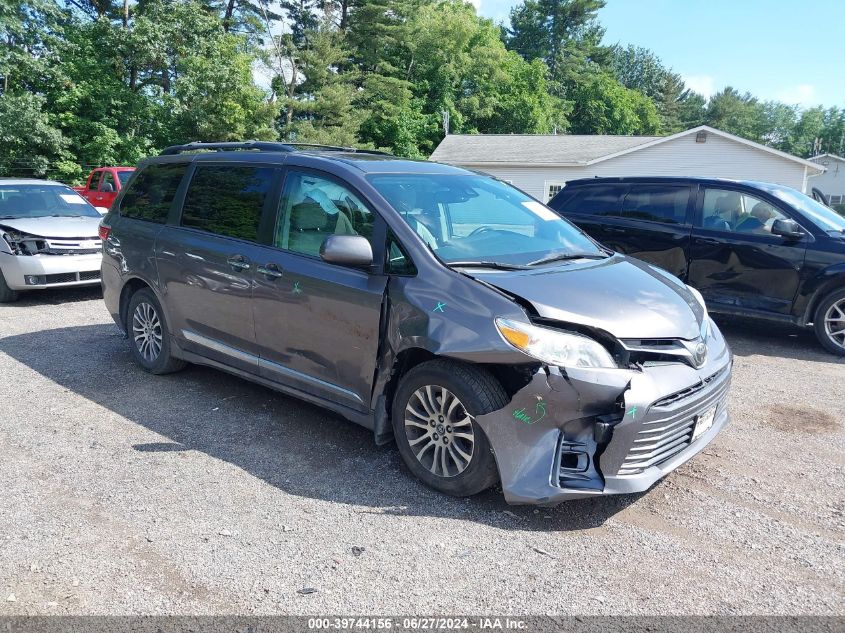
column 439, row 431
column 834, row 323
column 146, row 329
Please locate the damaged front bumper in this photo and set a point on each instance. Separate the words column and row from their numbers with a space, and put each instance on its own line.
column 576, row 433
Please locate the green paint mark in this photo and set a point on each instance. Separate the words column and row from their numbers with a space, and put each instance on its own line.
column 632, row 412
column 539, row 410
column 439, row 307
column 296, row 289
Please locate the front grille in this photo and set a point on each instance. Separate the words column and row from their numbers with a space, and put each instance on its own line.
column 69, row 251
column 66, row 278
column 71, row 246
column 61, row 278
column 656, row 442
column 672, row 398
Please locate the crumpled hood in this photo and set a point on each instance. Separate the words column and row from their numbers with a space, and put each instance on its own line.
column 620, row 295
column 82, row 226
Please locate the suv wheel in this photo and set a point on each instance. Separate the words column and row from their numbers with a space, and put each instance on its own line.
column 7, row 295
column 433, row 418
column 148, row 335
column 829, row 322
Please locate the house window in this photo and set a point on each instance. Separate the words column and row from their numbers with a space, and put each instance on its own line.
column 552, row 189
column 836, row 199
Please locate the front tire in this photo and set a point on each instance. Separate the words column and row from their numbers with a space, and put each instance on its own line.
column 829, row 322
column 149, row 338
column 433, row 417
column 7, row 295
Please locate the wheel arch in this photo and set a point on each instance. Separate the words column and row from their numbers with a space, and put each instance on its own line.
column 835, row 281
column 511, row 377
column 130, row 287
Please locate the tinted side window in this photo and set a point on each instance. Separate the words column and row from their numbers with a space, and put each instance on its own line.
column 151, row 193
column 657, row 203
column 591, row 200
column 227, row 200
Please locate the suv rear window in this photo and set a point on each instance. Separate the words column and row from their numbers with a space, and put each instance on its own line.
column 227, row 200
column 590, row 200
column 151, row 193
column 657, row 203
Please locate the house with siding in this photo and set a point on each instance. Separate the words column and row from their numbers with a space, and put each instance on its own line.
column 541, row 164
column 832, row 182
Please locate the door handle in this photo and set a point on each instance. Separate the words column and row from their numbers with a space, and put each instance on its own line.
column 270, row 270
column 614, row 229
column 708, row 240
column 238, row 262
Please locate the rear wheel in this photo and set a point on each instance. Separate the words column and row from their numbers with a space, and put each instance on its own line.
column 7, row 295
column 433, row 418
column 829, row 322
column 148, row 335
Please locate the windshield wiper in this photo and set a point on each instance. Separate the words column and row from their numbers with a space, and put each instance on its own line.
column 557, row 257
column 484, row 264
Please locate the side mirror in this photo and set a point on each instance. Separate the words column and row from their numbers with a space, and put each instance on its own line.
column 347, row 250
column 788, row 229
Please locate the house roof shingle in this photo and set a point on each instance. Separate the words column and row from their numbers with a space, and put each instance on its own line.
column 560, row 149
column 563, row 150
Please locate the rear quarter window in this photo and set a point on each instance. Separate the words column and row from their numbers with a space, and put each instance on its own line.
column 151, row 193
column 657, row 203
column 590, row 200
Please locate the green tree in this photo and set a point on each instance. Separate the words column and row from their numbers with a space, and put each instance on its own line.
column 30, row 33
column 604, row 106
column 460, row 65
column 30, row 146
column 640, row 69
column 692, row 110
column 739, row 114
column 563, row 33
column 321, row 104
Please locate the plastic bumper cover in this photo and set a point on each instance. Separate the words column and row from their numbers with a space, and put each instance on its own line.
column 51, row 268
column 576, row 433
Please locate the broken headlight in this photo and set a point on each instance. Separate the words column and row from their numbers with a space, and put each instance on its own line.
column 13, row 239
column 553, row 347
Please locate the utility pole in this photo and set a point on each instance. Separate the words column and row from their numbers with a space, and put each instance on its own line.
column 445, row 122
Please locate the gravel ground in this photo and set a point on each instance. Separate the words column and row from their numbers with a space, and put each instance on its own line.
column 199, row 493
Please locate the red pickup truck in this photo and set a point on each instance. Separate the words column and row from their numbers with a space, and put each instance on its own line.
column 103, row 184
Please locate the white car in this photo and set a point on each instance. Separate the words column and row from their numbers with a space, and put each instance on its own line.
column 48, row 237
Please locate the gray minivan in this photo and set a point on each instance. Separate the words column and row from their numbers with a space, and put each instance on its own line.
column 492, row 339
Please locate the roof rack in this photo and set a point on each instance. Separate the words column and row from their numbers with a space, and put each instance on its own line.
column 337, row 148
column 261, row 146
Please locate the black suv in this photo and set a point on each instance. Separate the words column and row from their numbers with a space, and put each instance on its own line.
column 751, row 248
column 438, row 306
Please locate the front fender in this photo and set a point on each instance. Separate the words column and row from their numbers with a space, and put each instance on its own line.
column 815, row 289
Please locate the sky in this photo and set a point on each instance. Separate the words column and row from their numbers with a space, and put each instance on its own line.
column 786, row 50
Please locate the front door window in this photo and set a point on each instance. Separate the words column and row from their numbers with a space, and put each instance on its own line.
column 734, row 211
column 313, row 208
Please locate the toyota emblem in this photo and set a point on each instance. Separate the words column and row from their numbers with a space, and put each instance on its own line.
column 699, row 355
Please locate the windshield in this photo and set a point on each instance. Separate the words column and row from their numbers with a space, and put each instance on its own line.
column 38, row 201
column 823, row 217
column 124, row 176
column 475, row 219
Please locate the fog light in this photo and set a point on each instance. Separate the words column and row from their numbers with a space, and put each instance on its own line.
column 35, row 280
